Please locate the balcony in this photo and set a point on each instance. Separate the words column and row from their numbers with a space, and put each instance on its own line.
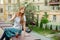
column 55, row 8
column 54, row 2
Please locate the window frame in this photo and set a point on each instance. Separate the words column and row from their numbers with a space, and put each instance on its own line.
column 1, row 10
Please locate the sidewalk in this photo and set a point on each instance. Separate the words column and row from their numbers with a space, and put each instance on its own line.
column 38, row 36
column 31, row 36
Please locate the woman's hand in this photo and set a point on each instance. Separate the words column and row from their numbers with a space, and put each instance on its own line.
column 11, row 19
column 2, row 28
column 17, row 35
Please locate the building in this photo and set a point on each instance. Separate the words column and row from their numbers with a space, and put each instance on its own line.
column 52, row 7
column 8, row 8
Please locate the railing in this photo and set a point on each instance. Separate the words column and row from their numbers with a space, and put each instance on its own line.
column 4, row 24
column 54, row 2
column 49, row 8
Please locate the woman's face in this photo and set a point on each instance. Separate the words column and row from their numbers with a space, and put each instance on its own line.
column 22, row 10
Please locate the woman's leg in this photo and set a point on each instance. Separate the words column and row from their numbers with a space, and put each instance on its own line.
column 3, row 36
column 7, row 38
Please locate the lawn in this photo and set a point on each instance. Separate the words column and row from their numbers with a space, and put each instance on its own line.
column 43, row 31
column 56, row 38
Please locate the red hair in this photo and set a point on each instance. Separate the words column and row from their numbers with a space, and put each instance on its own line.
column 21, row 8
column 21, row 16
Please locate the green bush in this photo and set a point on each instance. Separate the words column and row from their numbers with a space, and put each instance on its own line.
column 44, row 19
column 29, row 11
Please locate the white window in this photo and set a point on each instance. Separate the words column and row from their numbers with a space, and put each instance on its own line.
column 46, row 2
column 10, row 8
column 9, row 1
column 37, row 7
column 36, row 1
column 54, row 18
column 1, row 10
column 14, row 1
column 33, row 0
column 6, row 1
column 1, row 2
column 9, row 16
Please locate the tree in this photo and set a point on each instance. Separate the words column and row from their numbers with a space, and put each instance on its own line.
column 29, row 11
column 44, row 19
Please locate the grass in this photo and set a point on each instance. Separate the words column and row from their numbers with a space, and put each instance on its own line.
column 55, row 38
column 43, row 31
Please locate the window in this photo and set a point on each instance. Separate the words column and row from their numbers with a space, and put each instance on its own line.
column 9, row 1
column 1, row 2
column 38, row 8
column 33, row 7
column 9, row 8
column 14, row 1
column 53, row 7
column 54, row 17
column 9, row 16
column 38, row 0
column 46, row 2
column 58, row 8
column 33, row 0
column 18, row 0
column 1, row 10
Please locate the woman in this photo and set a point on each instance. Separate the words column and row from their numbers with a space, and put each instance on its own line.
column 19, row 20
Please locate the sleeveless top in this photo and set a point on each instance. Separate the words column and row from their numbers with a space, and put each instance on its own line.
column 17, row 24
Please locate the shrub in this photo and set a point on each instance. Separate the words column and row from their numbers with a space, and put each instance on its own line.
column 44, row 19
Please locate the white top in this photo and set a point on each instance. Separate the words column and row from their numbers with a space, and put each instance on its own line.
column 17, row 22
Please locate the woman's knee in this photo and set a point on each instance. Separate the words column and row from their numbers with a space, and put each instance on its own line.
column 6, row 29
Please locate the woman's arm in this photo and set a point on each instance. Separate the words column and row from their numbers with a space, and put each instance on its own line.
column 24, row 26
column 24, row 30
column 12, row 17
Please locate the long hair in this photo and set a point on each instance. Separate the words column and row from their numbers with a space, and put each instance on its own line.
column 22, row 18
column 21, row 15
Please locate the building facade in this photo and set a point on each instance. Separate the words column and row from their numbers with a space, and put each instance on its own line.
column 8, row 8
column 52, row 7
